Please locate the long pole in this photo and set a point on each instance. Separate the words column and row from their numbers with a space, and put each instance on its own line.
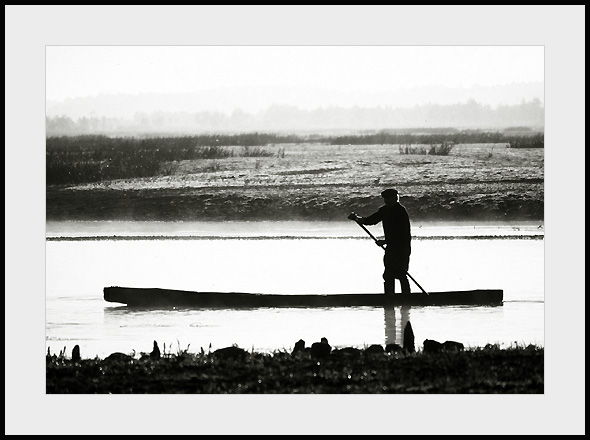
column 376, row 241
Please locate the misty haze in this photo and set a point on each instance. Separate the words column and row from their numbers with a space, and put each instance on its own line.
column 299, row 110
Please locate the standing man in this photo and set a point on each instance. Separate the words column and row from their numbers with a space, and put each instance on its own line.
column 396, row 227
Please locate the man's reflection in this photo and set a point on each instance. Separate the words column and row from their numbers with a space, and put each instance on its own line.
column 396, row 319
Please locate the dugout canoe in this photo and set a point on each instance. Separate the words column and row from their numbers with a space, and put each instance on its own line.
column 156, row 297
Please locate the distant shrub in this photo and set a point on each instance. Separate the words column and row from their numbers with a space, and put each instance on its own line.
column 535, row 141
column 248, row 151
column 405, row 149
column 442, row 149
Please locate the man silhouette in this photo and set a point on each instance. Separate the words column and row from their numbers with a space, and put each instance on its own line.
column 396, row 227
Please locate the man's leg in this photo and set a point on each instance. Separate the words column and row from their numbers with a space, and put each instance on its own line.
column 389, row 287
column 405, row 284
column 388, row 275
column 401, row 271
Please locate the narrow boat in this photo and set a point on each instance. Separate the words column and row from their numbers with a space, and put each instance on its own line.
column 155, row 297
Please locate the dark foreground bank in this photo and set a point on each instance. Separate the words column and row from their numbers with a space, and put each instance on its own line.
column 439, row 370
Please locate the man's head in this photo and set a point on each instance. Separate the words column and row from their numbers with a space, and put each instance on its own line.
column 390, row 195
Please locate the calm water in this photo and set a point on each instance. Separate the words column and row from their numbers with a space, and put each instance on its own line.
column 288, row 258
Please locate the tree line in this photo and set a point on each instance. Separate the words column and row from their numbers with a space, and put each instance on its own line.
column 287, row 118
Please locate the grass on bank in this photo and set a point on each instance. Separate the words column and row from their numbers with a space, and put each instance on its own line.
column 96, row 158
column 75, row 164
column 233, row 370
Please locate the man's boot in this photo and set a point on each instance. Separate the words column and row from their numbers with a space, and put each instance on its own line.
column 389, row 287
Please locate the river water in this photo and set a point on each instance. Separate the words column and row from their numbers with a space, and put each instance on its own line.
column 287, row 258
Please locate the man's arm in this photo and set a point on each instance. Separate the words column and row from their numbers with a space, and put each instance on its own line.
column 373, row 219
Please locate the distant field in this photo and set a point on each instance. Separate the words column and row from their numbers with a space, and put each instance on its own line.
column 318, row 181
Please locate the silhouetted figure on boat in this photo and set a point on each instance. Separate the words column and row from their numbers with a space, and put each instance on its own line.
column 396, row 228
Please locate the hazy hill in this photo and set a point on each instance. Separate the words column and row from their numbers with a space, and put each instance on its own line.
column 254, row 100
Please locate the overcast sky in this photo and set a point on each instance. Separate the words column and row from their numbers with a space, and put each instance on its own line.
column 82, row 71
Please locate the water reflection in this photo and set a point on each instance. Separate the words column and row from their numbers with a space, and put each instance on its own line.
column 396, row 319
